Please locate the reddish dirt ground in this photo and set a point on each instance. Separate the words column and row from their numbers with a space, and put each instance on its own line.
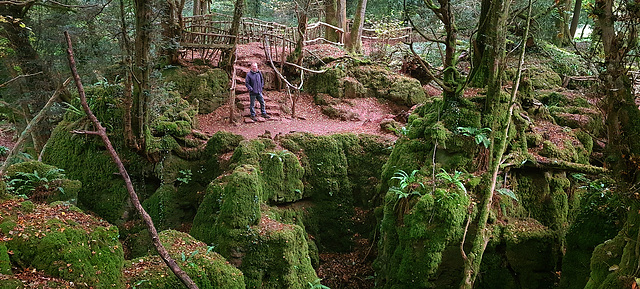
column 308, row 118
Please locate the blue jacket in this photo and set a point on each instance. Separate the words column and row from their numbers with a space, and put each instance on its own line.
column 254, row 82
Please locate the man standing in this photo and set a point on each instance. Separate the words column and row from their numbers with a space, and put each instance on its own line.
column 255, row 82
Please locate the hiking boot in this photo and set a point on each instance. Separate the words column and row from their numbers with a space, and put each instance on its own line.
column 253, row 117
column 266, row 116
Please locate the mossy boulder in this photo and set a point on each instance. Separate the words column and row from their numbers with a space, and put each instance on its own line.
column 163, row 207
column 340, row 171
column 85, row 158
column 544, row 195
column 206, row 268
column 64, row 243
column 543, row 77
column 208, row 87
column 523, row 256
column 367, row 80
column 614, row 262
column 599, row 218
column 41, row 182
column 415, row 231
column 230, row 218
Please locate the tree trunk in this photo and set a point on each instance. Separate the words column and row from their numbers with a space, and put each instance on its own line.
column 171, row 28
column 141, row 70
column 562, row 23
column 622, row 115
column 356, row 28
column 331, row 17
column 499, row 140
column 227, row 57
column 342, row 18
column 491, row 33
column 39, row 86
column 575, row 18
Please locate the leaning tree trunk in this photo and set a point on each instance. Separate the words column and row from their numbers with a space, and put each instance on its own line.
column 499, row 140
column 356, row 28
column 575, row 18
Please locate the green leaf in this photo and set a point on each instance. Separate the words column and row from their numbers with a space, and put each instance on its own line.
column 508, row 193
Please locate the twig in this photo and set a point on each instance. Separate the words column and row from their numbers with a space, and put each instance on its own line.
column 100, row 130
column 32, row 125
column 18, row 77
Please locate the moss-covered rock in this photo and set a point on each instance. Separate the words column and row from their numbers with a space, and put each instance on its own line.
column 599, row 218
column 41, row 182
column 64, row 243
column 208, row 87
column 614, row 262
column 524, row 256
column 206, row 268
column 414, row 234
column 365, row 80
column 84, row 158
column 543, row 77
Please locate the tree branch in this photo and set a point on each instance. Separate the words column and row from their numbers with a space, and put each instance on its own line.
column 100, row 130
column 19, row 76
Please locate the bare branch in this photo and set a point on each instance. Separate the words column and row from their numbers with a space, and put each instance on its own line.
column 19, row 76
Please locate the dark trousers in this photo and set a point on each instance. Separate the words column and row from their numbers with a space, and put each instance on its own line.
column 252, row 102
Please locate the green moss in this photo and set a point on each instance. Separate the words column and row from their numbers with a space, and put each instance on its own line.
column 76, row 248
column 27, row 206
column 543, row 77
column 163, row 207
column 209, row 88
column 544, row 197
column 282, row 177
column 84, row 158
column 206, row 268
column 414, row 234
column 328, row 82
column 5, row 262
column 49, row 185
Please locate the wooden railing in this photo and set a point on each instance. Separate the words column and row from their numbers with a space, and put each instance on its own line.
column 211, row 31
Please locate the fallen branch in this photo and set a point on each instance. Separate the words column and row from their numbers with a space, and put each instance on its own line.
column 556, row 164
column 102, row 132
column 32, row 125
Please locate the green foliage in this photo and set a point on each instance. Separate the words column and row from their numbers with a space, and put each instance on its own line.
column 408, row 184
column 316, row 285
column 24, row 183
column 4, row 150
column 455, row 179
column 480, row 135
column 507, row 192
column 184, row 176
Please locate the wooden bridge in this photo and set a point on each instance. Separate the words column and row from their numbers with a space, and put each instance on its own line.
column 209, row 34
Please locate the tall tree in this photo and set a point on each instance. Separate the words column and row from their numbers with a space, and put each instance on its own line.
column 342, row 18
column 355, row 43
column 331, row 17
column 142, row 70
column 575, row 18
column 227, row 57
column 489, row 42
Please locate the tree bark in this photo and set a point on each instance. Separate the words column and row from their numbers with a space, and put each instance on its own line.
column 356, row 28
column 575, row 19
column 331, row 17
column 499, row 140
column 141, row 70
column 491, row 34
column 342, row 18
column 102, row 132
column 227, row 57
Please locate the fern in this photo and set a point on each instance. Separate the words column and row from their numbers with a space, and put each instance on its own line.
column 453, row 179
column 407, row 184
column 480, row 135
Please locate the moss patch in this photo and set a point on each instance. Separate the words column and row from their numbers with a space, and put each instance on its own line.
column 208, row 87
column 66, row 244
column 206, row 268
